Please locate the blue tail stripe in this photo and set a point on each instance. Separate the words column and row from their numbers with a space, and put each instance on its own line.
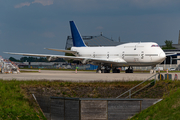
column 77, row 39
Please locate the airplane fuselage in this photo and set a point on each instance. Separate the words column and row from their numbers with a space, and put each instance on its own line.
column 135, row 54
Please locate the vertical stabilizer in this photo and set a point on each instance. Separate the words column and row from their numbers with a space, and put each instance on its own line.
column 77, row 39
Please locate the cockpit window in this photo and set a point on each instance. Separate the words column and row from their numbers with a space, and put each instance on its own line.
column 154, row 45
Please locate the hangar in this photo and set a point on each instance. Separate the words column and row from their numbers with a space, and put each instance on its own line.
column 174, row 60
column 94, row 41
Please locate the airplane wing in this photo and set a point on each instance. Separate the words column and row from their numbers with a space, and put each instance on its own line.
column 109, row 61
column 59, row 50
column 170, row 53
column 83, row 59
column 46, row 55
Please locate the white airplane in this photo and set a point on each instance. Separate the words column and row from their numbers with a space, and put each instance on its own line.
column 113, row 57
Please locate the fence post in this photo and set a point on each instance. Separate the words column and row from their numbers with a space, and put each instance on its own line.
column 107, row 110
column 140, row 105
column 64, row 109
column 79, row 109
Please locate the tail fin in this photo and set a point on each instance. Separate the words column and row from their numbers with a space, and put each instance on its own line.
column 77, row 39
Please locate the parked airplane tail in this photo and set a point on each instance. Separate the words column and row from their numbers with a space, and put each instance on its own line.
column 77, row 39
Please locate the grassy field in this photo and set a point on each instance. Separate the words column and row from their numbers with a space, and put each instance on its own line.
column 167, row 109
column 16, row 101
column 54, row 69
column 135, row 71
column 24, row 71
column 15, row 104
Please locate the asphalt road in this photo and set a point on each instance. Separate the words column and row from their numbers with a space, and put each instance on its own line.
column 81, row 76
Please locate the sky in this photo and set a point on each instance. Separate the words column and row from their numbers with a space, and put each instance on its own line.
column 29, row 26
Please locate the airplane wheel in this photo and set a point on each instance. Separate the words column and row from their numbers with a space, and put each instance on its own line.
column 116, row 71
column 106, row 71
column 129, row 70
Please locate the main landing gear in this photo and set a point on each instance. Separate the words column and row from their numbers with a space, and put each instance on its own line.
column 103, row 69
column 107, row 69
column 129, row 70
column 115, row 70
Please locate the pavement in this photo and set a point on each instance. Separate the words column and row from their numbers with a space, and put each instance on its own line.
column 81, row 76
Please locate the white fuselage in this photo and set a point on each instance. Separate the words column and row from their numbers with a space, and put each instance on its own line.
column 135, row 54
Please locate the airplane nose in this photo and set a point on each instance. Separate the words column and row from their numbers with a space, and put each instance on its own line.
column 162, row 55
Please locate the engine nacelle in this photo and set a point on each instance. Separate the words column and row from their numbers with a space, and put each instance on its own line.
column 85, row 61
column 49, row 58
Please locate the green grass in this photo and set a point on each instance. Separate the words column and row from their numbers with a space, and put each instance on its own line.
column 122, row 71
column 167, row 109
column 15, row 105
column 159, row 89
column 29, row 71
column 56, row 69
column 176, row 71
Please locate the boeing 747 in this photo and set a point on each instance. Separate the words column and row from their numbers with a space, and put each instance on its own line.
column 112, row 57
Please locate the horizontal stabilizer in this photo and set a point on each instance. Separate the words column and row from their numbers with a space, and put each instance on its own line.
column 170, row 53
column 59, row 50
column 46, row 55
column 175, row 58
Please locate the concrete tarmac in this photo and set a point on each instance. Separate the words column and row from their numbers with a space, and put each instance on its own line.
column 81, row 76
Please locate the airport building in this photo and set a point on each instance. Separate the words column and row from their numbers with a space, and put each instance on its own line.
column 94, row 41
column 174, row 60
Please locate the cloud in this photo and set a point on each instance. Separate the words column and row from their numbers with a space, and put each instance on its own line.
column 44, row 2
column 99, row 27
column 48, row 34
column 22, row 5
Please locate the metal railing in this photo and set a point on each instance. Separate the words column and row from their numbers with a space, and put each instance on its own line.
column 130, row 90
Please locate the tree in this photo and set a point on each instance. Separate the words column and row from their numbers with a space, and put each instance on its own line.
column 69, row 54
column 58, row 60
column 168, row 45
column 13, row 59
column 33, row 59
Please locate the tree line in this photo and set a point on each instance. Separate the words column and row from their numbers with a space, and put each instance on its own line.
column 35, row 59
